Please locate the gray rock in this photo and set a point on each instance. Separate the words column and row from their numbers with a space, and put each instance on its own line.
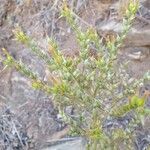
column 139, row 37
column 145, row 3
column 139, row 34
column 138, row 53
column 75, row 144
column 136, row 37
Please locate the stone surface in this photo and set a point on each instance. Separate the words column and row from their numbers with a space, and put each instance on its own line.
column 136, row 37
column 139, row 35
column 74, row 144
column 138, row 53
column 145, row 3
column 136, row 48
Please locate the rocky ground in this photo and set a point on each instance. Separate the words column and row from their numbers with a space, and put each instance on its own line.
column 28, row 119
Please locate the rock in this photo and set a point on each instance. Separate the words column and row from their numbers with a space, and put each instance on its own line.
column 107, row 1
column 21, row 91
column 79, row 5
column 145, row 3
column 66, row 144
column 137, row 43
column 139, row 34
column 136, row 37
column 5, row 77
column 139, row 37
column 138, row 53
column 39, row 119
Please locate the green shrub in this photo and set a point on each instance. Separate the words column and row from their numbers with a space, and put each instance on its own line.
column 89, row 83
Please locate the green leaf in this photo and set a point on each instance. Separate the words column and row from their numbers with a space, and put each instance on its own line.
column 136, row 101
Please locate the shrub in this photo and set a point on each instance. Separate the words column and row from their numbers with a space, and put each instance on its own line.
column 95, row 86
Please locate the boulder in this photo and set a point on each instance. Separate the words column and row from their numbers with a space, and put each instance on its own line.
column 139, row 34
column 145, row 3
column 136, row 36
column 68, row 144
